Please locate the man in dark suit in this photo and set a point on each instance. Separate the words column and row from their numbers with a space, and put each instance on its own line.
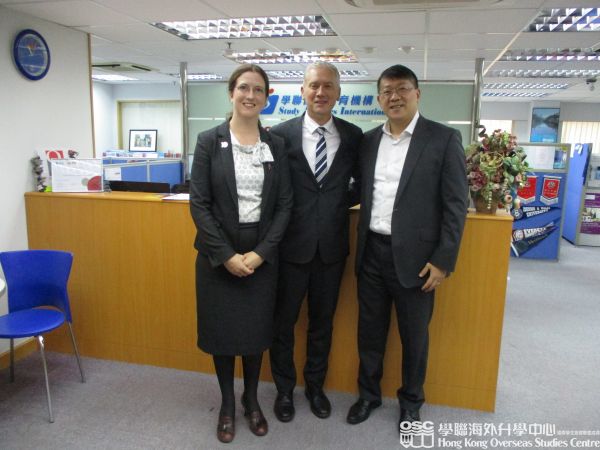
column 413, row 209
column 322, row 153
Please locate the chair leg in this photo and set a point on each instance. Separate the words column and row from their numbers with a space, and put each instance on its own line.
column 76, row 352
column 12, row 360
column 41, row 341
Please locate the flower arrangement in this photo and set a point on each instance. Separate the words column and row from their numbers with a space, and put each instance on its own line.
column 496, row 169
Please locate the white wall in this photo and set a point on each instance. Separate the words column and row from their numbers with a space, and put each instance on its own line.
column 105, row 118
column 54, row 112
column 580, row 112
column 106, row 97
column 518, row 112
column 155, row 91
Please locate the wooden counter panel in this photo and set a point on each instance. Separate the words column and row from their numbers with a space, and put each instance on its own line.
column 133, row 295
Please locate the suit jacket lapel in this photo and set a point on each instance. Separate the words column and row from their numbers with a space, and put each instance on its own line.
column 296, row 149
column 225, row 153
column 418, row 142
column 341, row 149
column 268, row 170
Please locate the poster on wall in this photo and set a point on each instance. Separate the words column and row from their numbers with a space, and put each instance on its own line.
column 544, row 125
column 590, row 214
column 142, row 140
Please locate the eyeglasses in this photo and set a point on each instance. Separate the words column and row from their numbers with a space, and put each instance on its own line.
column 258, row 90
column 401, row 91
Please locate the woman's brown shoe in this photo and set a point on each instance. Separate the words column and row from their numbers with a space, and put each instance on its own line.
column 256, row 420
column 225, row 429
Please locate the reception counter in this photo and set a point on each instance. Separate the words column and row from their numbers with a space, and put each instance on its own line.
column 133, row 299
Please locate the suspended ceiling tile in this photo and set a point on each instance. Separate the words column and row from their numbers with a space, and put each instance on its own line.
column 305, row 43
column 159, row 11
column 130, row 33
column 469, row 40
column 385, row 24
column 259, row 8
column 383, row 43
column 74, row 13
column 481, row 21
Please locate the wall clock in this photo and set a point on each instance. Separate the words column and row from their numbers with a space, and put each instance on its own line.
column 31, row 54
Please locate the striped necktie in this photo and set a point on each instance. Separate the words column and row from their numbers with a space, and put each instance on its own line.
column 321, row 159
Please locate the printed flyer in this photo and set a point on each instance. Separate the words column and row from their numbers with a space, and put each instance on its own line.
column 590, row 215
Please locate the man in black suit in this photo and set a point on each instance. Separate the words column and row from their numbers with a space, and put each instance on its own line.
column 322, row 153
column 413, row 209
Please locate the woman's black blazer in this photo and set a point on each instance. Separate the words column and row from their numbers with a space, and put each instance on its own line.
column 214, row 201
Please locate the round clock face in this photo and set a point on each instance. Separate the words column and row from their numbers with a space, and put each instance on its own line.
column 31, row 54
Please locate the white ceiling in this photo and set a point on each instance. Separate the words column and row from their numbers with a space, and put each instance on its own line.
column 446, row 41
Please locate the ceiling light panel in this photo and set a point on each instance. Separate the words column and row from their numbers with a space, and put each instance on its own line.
column 526, row 85
column 566, row 19
column 298, row 74
column 550, row 73
column 549, row 54
column 515, row 94
column 204, row 77
column 267, row 57
column 249, row 27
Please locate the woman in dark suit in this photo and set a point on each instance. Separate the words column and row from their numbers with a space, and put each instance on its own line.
column 240, row 200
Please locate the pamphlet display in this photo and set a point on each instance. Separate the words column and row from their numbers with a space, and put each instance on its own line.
column 582, row 207
column 77, row 175
column 538, row 219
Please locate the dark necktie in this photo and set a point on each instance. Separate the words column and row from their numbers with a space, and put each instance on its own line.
column 321, row 156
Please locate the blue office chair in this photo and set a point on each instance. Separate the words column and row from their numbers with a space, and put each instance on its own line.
column 36, row 278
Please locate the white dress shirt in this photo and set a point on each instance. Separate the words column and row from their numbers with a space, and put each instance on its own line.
column 388, row 170
column 310, row 137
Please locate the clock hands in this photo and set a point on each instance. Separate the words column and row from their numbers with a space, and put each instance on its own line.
column 31, row 46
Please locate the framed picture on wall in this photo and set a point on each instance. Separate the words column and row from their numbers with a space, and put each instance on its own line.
column 142, row 140
column 544, row 125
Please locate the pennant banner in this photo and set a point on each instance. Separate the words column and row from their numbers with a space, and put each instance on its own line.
column 527, row 238
column 529, row 211
column 550, row 189
column 527, row 193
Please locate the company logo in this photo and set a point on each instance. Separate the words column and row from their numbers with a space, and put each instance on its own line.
column 55, row 154
column 416, row 434
column 271, row 104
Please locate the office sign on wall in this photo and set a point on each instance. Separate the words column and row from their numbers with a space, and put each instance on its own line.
column 285, row 101
column 209, row 103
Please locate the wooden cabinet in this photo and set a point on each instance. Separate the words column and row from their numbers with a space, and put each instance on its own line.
column 133, row 295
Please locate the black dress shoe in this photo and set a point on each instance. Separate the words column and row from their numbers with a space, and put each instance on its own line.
column 319, row 403
column 361, row 410
column 225, row 429
column 256, row 420
column 406, row 415
column 284, row 407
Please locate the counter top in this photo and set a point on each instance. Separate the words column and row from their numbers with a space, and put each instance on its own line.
column 151, row 197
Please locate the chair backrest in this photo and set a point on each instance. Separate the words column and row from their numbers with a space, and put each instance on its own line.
column 37, row 278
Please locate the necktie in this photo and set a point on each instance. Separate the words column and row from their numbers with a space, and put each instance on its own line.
column 321, row 159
